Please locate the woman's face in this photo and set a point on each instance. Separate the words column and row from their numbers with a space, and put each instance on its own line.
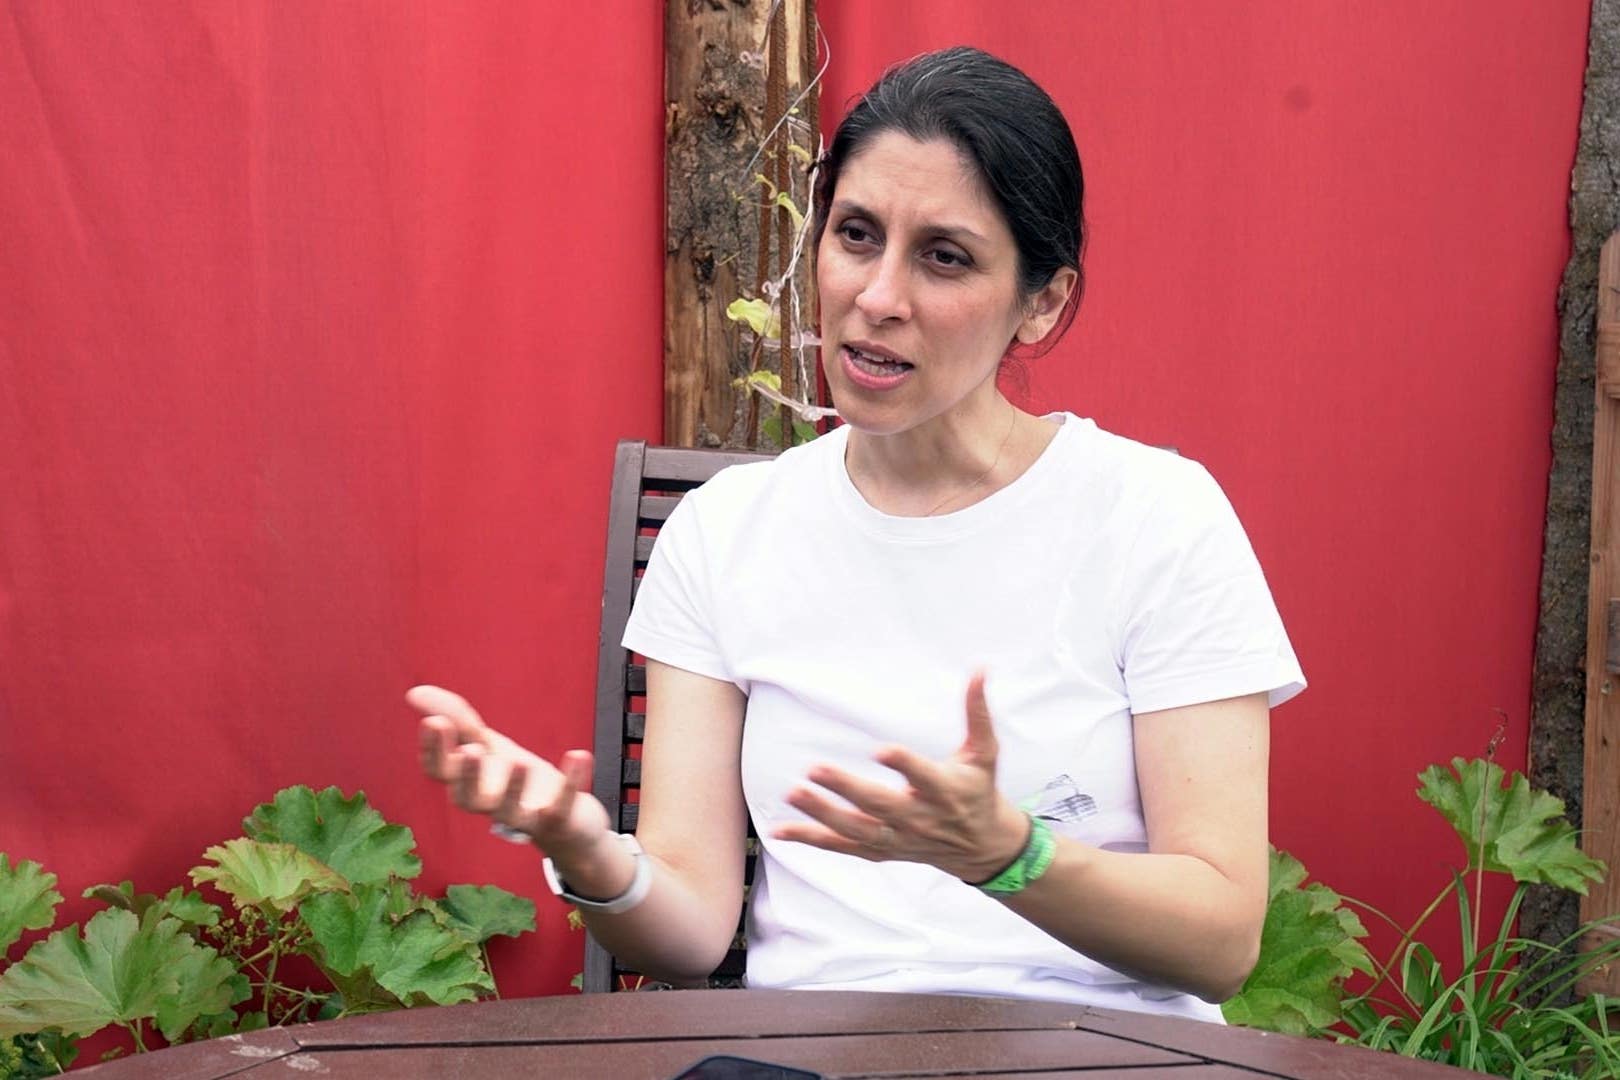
column 918, row 279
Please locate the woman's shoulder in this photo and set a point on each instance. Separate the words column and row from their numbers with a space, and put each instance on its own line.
column 742, row 488
column 1123, row 471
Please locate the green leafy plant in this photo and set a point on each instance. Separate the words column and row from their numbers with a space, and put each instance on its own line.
column 317, row 875
column 1503, row 1011
column 1310, row 944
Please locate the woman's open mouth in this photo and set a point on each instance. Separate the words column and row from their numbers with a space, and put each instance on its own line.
column 873, row 370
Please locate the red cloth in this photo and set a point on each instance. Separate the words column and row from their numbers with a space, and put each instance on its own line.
column 317, row 326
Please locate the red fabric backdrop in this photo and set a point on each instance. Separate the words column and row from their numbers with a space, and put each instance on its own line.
column 1325, row 249
column 318, row 323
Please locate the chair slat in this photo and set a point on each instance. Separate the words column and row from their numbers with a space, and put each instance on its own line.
column 648, row 483
column 655, row 509
column 734, row 966
column 691, row 466
column 623, row 500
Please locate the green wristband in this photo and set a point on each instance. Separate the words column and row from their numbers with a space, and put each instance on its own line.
column 1030, row 864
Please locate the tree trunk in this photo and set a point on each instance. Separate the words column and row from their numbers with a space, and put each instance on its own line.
column 1558, row 719
column 716, row 230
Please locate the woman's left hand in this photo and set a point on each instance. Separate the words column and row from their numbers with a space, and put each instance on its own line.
column 950, row 814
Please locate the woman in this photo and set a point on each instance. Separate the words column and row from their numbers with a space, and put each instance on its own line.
column 1026, row 751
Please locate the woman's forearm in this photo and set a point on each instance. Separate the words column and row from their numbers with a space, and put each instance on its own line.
column 678, row 934
column 1168, row 919
column 1187, row 915
column 682, row 926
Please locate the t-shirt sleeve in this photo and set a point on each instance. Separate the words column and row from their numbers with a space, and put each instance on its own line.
column 1194, row 618
column 673, row 617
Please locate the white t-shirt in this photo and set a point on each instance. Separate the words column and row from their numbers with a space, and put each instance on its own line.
column 1111, row 578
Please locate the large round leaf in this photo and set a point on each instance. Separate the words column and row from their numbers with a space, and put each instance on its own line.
column 255, row 873
column 413, row 958
column 119, row 971
column 1308, row 947
column 345, row 834
column 1519, row 830
column 28, row 899
column 482, row 911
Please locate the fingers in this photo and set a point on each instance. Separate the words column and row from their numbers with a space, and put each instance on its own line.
column 822, row 837
column 436, row 700
column 511, row 811
column 480, row 780
column 488, row 773
column 980, row 746
column 925, row 777
column 854, row 827
column 550, row 818
column 436, row 743
column 576, row 767
column 873, row 798
column 463, row 718
column 448, row 723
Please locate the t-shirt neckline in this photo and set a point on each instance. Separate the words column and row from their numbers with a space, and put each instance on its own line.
column 986, row 511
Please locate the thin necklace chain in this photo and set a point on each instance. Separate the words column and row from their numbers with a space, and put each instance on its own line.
column 1005, row 439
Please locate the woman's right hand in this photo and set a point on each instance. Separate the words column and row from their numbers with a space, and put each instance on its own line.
column 488, row 773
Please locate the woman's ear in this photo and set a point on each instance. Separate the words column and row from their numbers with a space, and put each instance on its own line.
column 1043, row 309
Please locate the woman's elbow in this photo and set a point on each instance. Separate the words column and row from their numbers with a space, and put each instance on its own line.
column 685, row 951
column 691, row 969
column 1228, row 975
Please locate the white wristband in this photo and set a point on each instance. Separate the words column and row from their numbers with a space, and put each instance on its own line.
column 635, row 893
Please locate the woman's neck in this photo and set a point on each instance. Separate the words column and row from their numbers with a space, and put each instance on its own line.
column 947, row 464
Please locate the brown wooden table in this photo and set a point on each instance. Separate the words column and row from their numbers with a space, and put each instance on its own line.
column 655, row 1035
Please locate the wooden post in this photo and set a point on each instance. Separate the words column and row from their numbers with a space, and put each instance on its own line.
column 1600, row 836
column 719, row 222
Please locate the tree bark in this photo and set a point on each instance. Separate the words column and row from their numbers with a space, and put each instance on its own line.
column 1558, row 716
column 715, row 231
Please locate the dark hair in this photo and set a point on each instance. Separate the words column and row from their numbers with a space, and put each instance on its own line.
column 1013, row 133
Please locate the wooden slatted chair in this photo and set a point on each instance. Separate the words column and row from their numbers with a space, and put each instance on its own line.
column 648, row 483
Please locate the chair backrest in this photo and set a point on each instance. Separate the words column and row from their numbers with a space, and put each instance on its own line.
column 648, row 483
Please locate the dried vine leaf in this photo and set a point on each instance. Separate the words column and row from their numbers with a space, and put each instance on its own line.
column 1518, row 830
column 28, row 899
column 256, row 873
column 757, row 314
column 785, row 201
column 121, row 895
column 117, row 972
column 344, row 834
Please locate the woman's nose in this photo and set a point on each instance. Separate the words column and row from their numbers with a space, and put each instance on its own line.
column 885, row 295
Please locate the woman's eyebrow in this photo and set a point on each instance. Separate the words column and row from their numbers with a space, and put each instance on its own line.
column 956, row 233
